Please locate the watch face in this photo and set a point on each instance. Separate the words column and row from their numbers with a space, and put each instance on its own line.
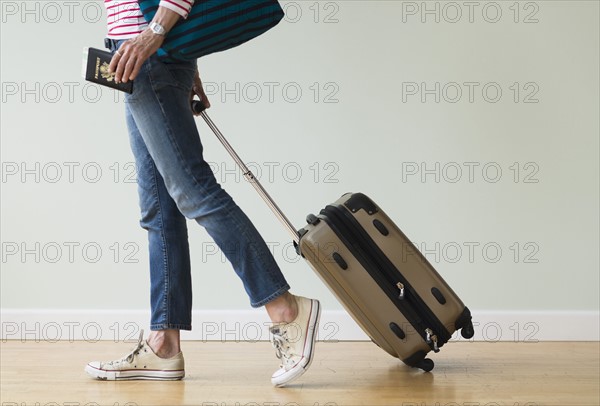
column 157, row 28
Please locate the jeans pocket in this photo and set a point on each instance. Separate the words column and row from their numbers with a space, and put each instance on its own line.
column 180, row 74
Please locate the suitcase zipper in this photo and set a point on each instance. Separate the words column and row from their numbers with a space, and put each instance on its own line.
column 406, row 300
column 392, row 274
column 371, row 267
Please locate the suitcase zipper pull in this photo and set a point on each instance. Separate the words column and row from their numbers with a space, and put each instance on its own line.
column 431, row 338
column 400, row 286
column 435, row 344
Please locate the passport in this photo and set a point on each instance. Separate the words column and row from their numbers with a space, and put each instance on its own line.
column 95, row 69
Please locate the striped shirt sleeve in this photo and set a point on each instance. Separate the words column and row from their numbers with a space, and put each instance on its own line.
column 181, row 7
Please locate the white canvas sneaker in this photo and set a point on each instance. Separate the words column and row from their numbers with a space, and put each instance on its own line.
column 140, row 363
column 295, row 342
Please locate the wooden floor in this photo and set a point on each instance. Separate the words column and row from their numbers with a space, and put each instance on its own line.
column 343, row 373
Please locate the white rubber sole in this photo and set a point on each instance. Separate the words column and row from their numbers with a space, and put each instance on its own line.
column 309, row 349
column 135, row 374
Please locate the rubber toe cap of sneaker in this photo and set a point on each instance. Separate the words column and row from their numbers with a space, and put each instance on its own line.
column 94, row 364
column 93, row 368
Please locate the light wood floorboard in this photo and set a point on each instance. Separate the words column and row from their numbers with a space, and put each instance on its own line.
column 343, row 373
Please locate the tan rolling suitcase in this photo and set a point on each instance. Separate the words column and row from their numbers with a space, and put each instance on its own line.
column 381, row 278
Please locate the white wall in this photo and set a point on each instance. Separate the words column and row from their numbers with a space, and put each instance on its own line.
column 521, row 240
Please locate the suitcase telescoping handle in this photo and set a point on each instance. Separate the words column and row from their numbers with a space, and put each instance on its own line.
column 199, row 108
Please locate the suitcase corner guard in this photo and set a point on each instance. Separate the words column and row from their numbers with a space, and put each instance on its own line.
column 359, row 201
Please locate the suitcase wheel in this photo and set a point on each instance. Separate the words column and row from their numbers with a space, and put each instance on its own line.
column 467, row 331
column 426, row 365
column 418, row 360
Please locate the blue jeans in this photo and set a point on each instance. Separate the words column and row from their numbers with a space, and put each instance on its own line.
column 175, row 183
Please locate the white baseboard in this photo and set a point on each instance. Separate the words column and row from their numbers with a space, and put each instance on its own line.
column 252, row 325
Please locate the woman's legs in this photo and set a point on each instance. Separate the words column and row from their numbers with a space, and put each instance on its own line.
column 176, row 182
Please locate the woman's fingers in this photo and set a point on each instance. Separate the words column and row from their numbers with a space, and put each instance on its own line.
column 200, row 92
column 129, row 58
column 114, row 61
column 205, row 100
column 119, row 62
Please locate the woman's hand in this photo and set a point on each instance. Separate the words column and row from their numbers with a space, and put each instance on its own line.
column 130, row 57
column 198, row 90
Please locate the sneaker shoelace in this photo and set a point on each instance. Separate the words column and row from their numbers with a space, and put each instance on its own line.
column 129, row 357
column 282, row 345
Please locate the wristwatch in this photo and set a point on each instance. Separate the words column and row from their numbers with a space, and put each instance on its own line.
column 158, row 29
